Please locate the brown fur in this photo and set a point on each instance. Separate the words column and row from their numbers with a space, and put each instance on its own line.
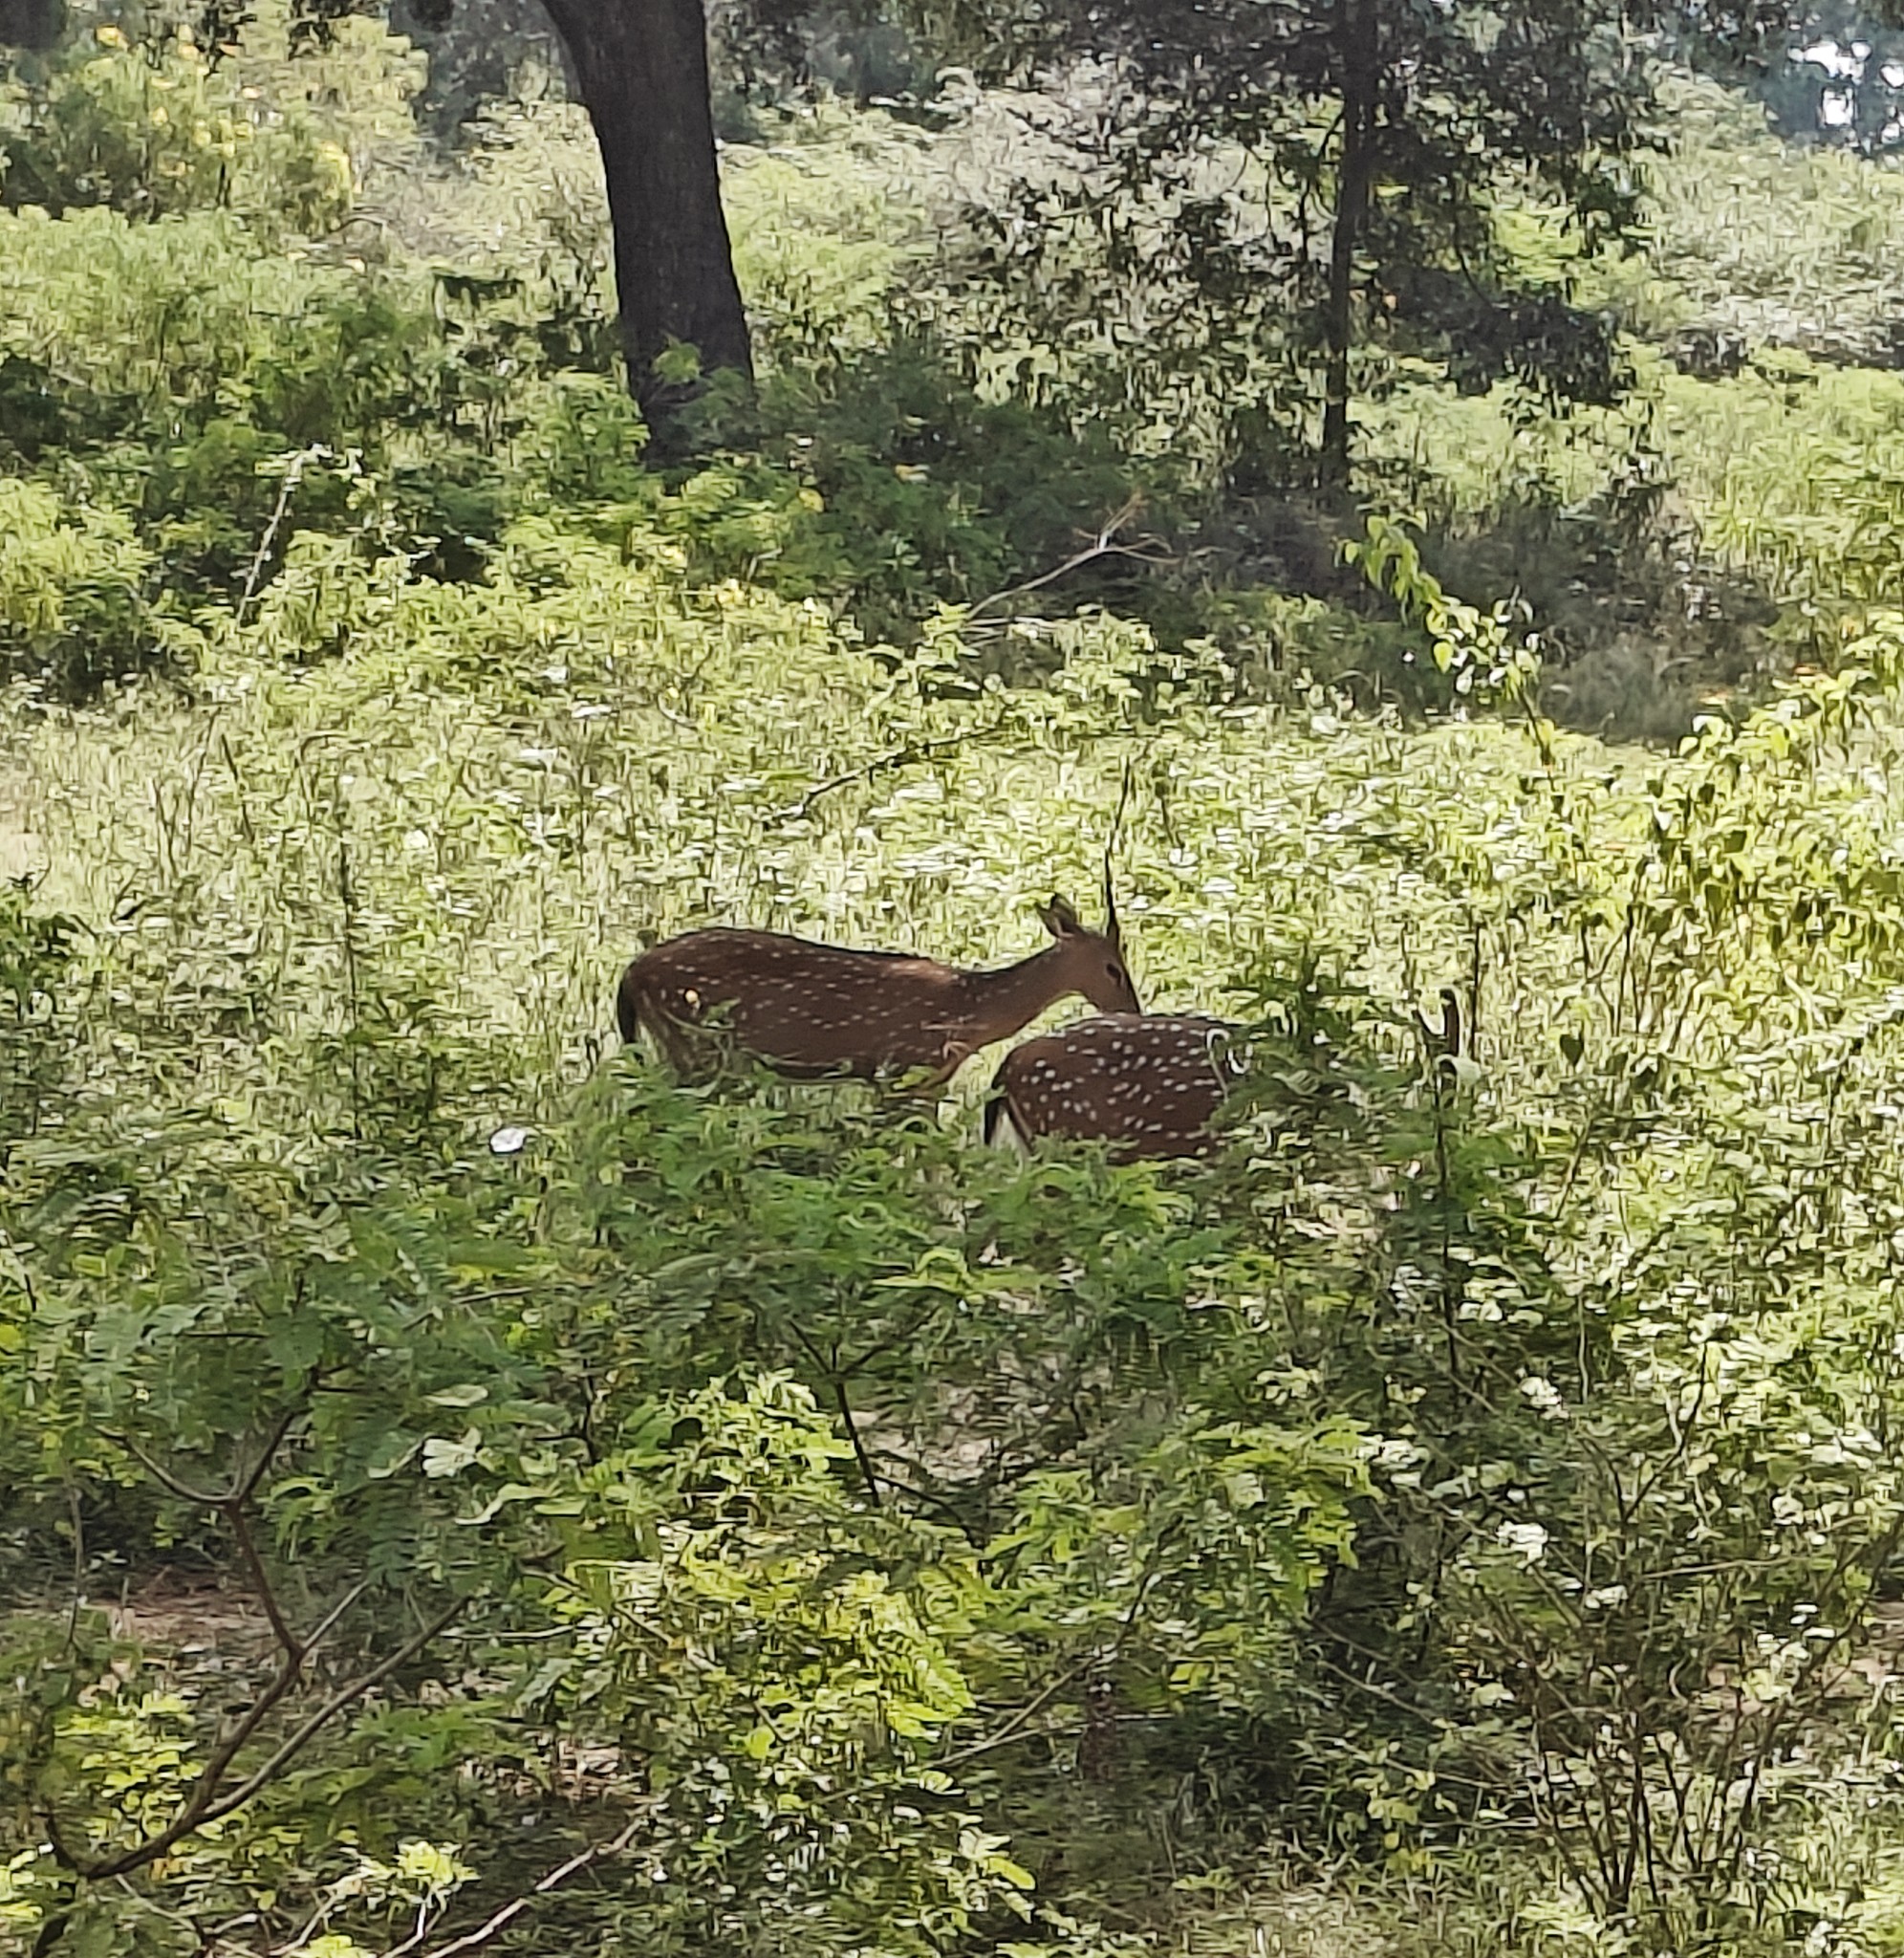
column 1149, row 1086
column 812, row 1011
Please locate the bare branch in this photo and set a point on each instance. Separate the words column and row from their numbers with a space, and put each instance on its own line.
column 328, row 1623
column 342, row 1698
column 244, row 1486
column 1103, row 545
column 248, row 1550
column 204, row 1499
column 486, row 1934
column 206, row 1804
column 900, row 757
column 1017, row 1724
column 243, row 1490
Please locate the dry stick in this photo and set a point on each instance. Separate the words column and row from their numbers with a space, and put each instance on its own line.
column 868, row 1473
column 347, row 901
column 484, row 1933
column 254, row 1565
column 243, row 1486
column 1104, row 545
column 286, row 489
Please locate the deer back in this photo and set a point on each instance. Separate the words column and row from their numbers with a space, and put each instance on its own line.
column 803, row 1007
column 1150, row 1085
column 819, row 1009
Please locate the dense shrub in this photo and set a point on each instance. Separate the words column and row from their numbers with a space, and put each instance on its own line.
column 158, row 126
column 752, row 1515
column 75, row 593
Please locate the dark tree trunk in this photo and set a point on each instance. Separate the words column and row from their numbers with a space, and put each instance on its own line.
column 32, row 23
column 1360, row 48
column 641, row 67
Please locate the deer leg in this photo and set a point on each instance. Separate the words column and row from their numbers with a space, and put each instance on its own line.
column 1000, row 1130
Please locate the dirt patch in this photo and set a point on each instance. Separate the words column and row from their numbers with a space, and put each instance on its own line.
column 1300, row 1922
column 194, row 1622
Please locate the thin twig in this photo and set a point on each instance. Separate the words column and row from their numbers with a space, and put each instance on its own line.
column 1103, row 545
column 496, row 1926
column 78, row 1518
column 203, row 1498
column 896, row 759
column 1014, row 1727
column 838, row 1381
column 294, row 475
column 243, row 1486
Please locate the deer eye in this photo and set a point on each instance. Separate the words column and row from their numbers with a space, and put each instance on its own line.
column 1117, row 973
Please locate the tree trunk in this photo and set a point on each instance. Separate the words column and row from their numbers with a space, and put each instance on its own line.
column 32, row 23
column 1360, row 45
column 641, row 66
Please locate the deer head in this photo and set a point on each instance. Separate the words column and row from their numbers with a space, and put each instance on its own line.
column 1086, row 961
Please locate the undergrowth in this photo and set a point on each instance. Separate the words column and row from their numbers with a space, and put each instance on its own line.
column 456, row 1479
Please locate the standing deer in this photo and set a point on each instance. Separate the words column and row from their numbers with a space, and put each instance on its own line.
column 814, row 1011
column 1150, row 1085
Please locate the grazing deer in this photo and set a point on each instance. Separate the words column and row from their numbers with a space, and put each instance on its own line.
column 816, row 1010
column 1150, row 1085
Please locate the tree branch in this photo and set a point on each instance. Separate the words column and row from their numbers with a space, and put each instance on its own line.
column 209, row 1799
column 204, row 1804
column 487, row 1933
column 1103, row 545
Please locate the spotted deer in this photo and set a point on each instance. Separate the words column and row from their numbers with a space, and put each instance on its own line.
column 813, row 1012
column 1148, row 1084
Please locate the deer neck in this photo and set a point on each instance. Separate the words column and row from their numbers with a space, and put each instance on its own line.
column 998, row 1002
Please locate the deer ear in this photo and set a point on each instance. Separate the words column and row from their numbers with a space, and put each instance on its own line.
column 1060, row 919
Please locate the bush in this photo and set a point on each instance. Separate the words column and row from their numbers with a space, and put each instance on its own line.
column 73, row 605
column 156, row 128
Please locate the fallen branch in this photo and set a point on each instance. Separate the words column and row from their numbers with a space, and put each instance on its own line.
column 1104, row 545
column 487, row 1933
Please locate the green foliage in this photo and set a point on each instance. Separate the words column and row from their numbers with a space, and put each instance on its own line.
column 74, row 586
column 160, row 126
column 999, row 1459
column 451, row 1476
